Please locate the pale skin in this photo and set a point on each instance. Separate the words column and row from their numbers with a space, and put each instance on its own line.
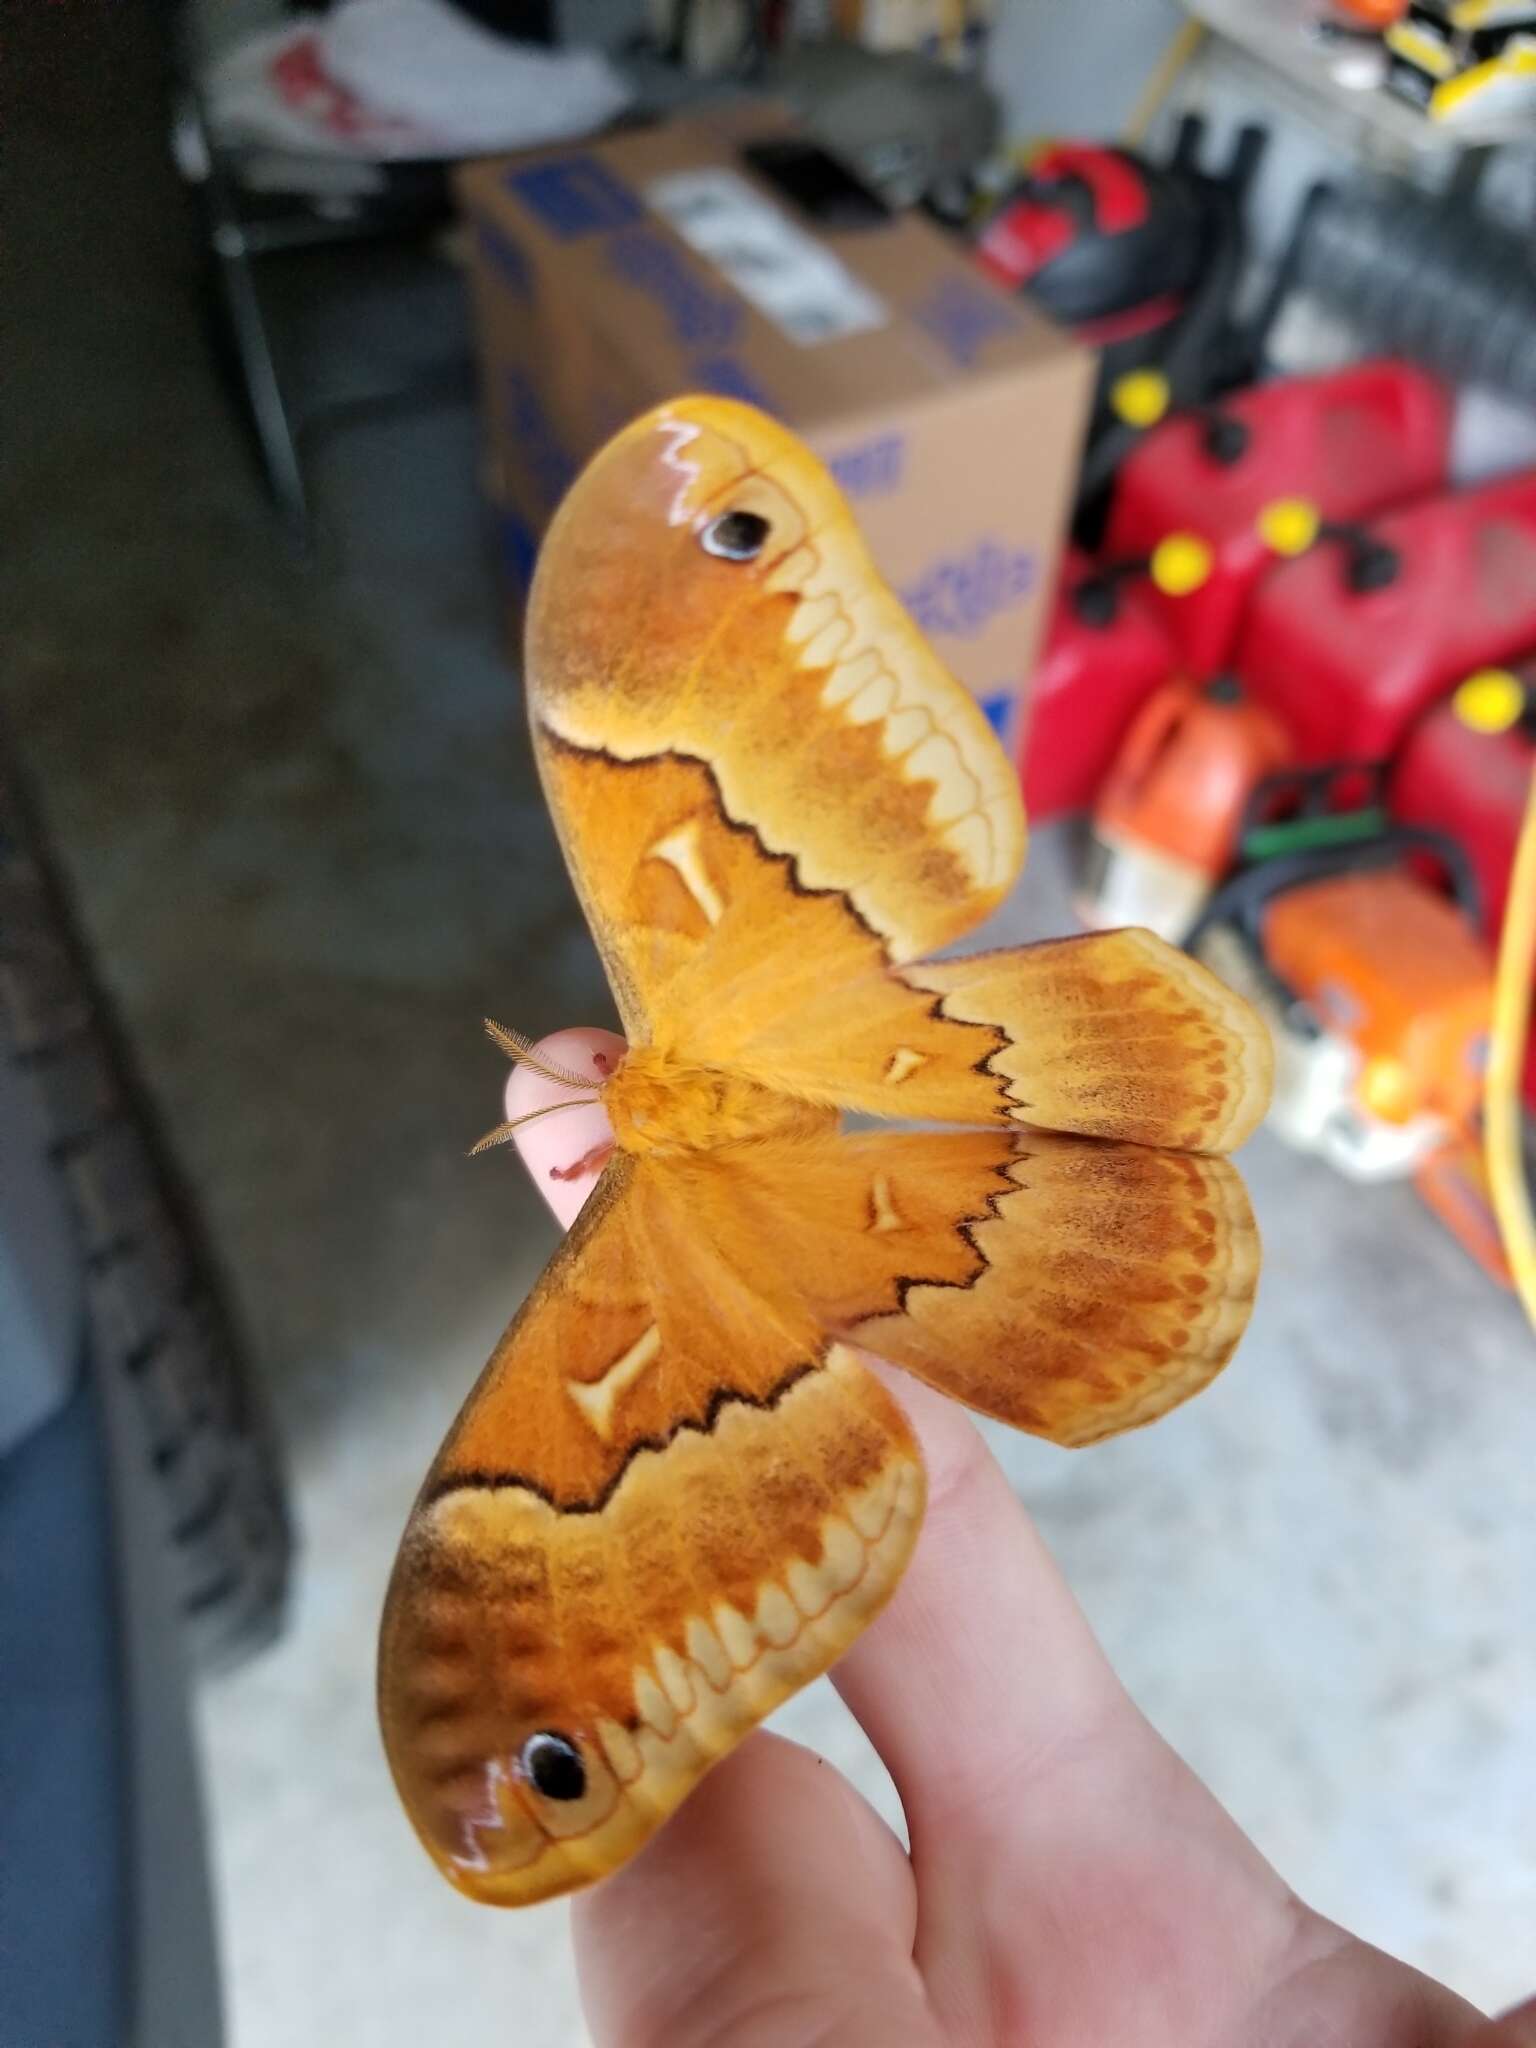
column 1070, row 1884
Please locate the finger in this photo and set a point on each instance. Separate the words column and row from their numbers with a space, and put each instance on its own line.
column 982, row 1615
column 563, row 1151
column 1516, row 2029
column 774, row 1909
column 981, row 1621
column 1049, row 1822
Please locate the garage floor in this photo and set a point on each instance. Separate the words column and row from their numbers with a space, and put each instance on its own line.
column 297, row 804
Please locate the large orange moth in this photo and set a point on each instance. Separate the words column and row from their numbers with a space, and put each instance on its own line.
column 677, row 1493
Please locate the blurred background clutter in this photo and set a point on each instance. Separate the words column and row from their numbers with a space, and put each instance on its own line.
column 1180, row 364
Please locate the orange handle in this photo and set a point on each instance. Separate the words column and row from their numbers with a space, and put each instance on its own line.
column 1151, row 733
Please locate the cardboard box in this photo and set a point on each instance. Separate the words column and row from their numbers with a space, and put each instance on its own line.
column 658, row 261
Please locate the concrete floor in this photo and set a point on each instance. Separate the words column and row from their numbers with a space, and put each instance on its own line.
column 298, row 807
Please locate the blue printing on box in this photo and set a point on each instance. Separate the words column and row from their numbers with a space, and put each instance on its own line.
column 999, row 710
column 963, row 317
column 698, row 317
column 962, row 594
column 870, row 467
column 575, row 196
column 507, row 258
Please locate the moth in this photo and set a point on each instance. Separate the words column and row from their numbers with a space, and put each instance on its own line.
column 677, row 1492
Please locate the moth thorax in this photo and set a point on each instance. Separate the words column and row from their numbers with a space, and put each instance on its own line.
column 660, row 1103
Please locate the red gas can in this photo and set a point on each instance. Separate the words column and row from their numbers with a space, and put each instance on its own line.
column 1210, row 499
column 1354, row 641
column 1466, row 770
column 1104, row 654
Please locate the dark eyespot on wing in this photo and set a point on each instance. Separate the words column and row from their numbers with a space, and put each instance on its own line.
column 552, row 1765
column 736, row 536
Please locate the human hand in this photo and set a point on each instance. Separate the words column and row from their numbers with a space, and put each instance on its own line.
column 1070, row 1882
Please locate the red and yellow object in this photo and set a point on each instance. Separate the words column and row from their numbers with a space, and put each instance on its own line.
column 1166, row 823
column 1212, row 499
column 1372, row 13
column 1104, row 654
column 1466, row 769
column 1354, row 641
column 1509, row 1190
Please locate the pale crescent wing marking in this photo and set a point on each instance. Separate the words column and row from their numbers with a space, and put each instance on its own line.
column 849, row 677
column 904, row 729
column 875, row 699
column 812, row 616
column 904, row 1061
column 826, row 640
column 681, row 851
column 956, row 793
column 882, row 1210
column 597, row 1399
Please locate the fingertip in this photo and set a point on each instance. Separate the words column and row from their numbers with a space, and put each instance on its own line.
column 564, row 1152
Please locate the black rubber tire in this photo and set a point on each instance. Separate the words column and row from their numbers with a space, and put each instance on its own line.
column 159, row 1314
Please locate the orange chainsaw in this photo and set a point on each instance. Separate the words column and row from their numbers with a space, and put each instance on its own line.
column 1377, row 985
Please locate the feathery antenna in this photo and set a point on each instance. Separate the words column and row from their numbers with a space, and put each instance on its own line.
column 521, row 1051
column 503, row 1132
